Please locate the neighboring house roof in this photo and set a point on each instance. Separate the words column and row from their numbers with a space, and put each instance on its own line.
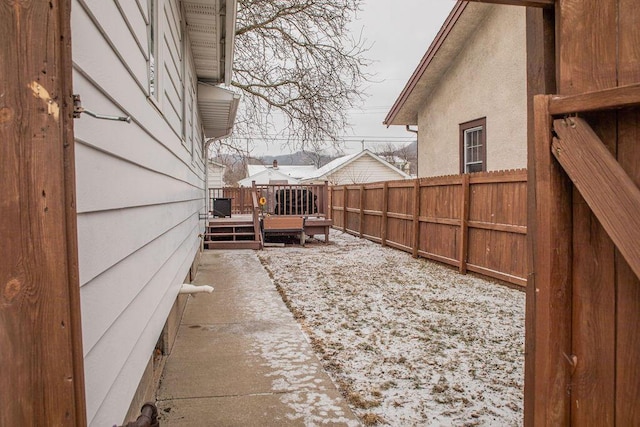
column 339, row 163
column 293, row 171
column 267, row 175
column 457, row 28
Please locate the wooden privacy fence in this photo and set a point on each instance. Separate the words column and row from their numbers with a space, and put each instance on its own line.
column 476, row 222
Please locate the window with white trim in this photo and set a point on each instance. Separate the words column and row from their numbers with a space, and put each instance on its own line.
column 473, row 146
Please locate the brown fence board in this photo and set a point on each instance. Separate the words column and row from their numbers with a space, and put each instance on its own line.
column 610, row 193
column 628, row 284
column 553, row 300
column 424, row 217
column 440, row 239
column 588, row 62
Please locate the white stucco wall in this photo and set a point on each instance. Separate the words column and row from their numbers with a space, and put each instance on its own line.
column 487, row 79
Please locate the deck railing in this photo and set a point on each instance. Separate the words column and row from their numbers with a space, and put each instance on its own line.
column 281, row 199
column 256, row 217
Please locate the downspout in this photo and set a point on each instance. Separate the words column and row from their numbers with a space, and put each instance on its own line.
column 408, row 129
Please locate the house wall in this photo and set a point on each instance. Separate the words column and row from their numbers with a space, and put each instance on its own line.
column 487, row 79
column 140, row 188
column 362, row 170
column 266, row 177
column 215, row 176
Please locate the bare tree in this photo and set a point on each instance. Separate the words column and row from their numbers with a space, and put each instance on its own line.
column 409, row 153
column 235, row 171
column 388, row 152
column 298, row 68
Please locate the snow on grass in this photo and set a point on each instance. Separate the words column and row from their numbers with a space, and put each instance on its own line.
column 408, row 341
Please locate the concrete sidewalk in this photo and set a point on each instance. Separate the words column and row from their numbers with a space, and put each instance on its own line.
column 240, row 358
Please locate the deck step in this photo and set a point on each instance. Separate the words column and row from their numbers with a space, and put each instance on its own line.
column 230, row 224
column 232, row 244
column 230, row 234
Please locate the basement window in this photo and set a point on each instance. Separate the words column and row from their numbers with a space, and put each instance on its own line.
column 473, row 146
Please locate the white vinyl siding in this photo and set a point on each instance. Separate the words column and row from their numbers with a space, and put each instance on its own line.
column 139, row 194
column 362, row 170
column 215, row 176
column 172, row 67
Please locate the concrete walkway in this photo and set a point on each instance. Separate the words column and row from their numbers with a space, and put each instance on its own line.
column 240, row 358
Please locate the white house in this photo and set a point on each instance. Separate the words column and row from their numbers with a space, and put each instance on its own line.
column 141, row 186
column 215, row 174
column 468, row 94
column 357, row 168
column 279, row 174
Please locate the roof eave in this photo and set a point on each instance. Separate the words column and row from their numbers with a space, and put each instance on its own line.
column 218, row 108
column 229, row 37
column 411, row 117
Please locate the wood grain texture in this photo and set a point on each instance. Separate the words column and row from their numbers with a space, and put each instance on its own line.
column 385, row 210
column 614, row 98
column 628, row 284
column 416, row 218
column 464, row 224
column 361, row 220
column 41, row 351
column 610, row 193
column 553, row 251
column 588, row 62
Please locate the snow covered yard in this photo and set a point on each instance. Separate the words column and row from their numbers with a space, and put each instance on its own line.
column 408, row 341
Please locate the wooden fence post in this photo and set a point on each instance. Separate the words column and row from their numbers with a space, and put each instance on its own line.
column 416, row 217
column 553, row 263
column 344, row 209
column 329, row 191
column 385, row 208
column 361, row 210
column 41, row 380
column 464, row 224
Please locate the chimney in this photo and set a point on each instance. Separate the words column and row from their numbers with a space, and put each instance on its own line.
column 275, row 164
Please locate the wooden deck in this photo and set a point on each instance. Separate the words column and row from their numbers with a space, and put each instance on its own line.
column 236, row 232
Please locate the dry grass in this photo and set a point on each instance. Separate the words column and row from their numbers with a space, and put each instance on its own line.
column 408, row 342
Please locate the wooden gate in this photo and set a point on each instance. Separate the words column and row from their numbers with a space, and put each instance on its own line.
column 587, row 242
column 583, row 307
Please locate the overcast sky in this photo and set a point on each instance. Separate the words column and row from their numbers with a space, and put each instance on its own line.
column 400, row 33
